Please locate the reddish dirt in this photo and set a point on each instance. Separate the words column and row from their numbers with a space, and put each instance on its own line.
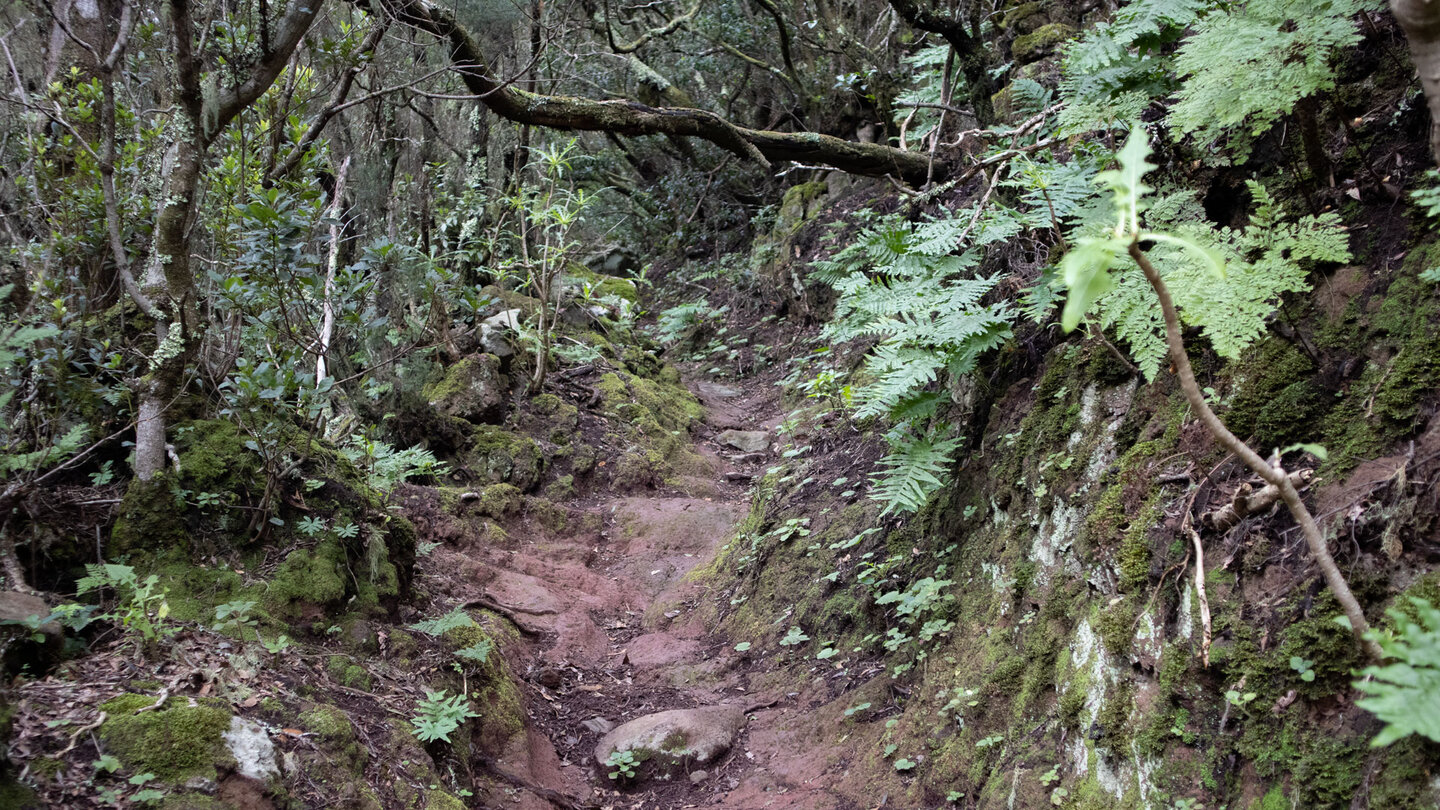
column 611, row 633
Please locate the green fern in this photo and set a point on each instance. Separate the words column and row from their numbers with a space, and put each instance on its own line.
column 1112, row 73
column 1250, row 63
column 915, row 468
column 455, row 619
column 1226, row 281
column 898, row 284
column 1405, row 693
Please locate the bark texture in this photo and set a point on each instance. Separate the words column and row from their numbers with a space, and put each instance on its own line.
column 1421, row 21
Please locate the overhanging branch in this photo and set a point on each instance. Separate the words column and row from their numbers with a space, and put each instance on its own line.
column 623, row 117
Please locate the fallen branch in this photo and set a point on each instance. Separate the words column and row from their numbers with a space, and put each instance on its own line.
column 1248, row 502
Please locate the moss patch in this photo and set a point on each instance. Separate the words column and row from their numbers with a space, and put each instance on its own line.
column 175, row 742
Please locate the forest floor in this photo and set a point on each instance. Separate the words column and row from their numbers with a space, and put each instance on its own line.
column 611, row 632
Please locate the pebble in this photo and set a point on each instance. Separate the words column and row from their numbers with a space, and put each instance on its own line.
column 696, row 777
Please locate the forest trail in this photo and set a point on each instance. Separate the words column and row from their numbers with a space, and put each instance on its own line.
column 610, row 632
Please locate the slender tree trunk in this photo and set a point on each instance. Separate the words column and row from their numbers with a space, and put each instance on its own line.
column 1421, row 21
column 327, row 317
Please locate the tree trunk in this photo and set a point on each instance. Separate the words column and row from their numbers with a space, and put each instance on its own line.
column 1421, row 21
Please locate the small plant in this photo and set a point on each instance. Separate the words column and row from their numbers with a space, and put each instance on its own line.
column 794, row 637
column 1058, row 796
column 625, row 763
column 1051, row 776
column 455, row 619
column 1237, row 699
column 140, row 608
column 438, row 716
column 905, row 764
column 1305, row 667
column 479, row 652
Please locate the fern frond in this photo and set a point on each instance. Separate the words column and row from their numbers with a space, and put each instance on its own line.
column 915, row 468
column 1250, row 63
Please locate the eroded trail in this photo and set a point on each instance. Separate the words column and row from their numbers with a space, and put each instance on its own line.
column 610, row 633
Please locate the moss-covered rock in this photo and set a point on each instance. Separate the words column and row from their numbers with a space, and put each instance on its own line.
column 310, row 579
column 1041, row 42
column 175, row 742
column 499, row 456
column 472, row 389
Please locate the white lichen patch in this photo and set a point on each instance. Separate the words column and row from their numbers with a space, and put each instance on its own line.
column 1053, row 538
column 1184, row 619
column 251, row 747
column 1117, row 776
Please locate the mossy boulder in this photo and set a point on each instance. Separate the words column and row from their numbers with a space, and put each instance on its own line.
column 1041, row 42
column 308, row 581
column 473, row 389
column 500, row 456
column 179, row 741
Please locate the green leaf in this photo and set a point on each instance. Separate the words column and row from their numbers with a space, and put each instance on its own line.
column 1126, row 182
column 1087, row 276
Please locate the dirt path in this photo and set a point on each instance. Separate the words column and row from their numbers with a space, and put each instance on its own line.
column 611, row 634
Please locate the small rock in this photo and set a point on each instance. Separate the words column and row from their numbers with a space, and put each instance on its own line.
column 251, row 747
column 510, row 318
column 696, row 777
column 18, row 608
column 750, row 441
column 21, row 651
column 201, row 784
column 739, row 477
column 670, row 742
column 718, row 391
column 466, row 497
column 599, row 725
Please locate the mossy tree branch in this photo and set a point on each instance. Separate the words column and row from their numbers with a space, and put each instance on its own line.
column 623, row 117
column 1274, row 475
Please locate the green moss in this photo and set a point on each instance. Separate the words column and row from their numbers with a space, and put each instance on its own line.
column 149, row 519
column 1115, row 624
column 472, row 389
column 1041, row 42
column 1258, row 380
column 500, row 501
column 331, row 724
column 504, row 457
column 561, row 489
column 1135, row 551
column 175, row 742
column 1023, row 11
column 440, row 800
column 313, row 577
column 194, row 591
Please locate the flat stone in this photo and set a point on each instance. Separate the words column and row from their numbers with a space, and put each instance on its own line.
column 599, row 725
column 696, row 777
column 22, row 608
column 717, row 390
column 750, row 441
column 673, row 742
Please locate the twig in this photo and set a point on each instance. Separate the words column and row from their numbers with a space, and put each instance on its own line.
column 75, row 738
